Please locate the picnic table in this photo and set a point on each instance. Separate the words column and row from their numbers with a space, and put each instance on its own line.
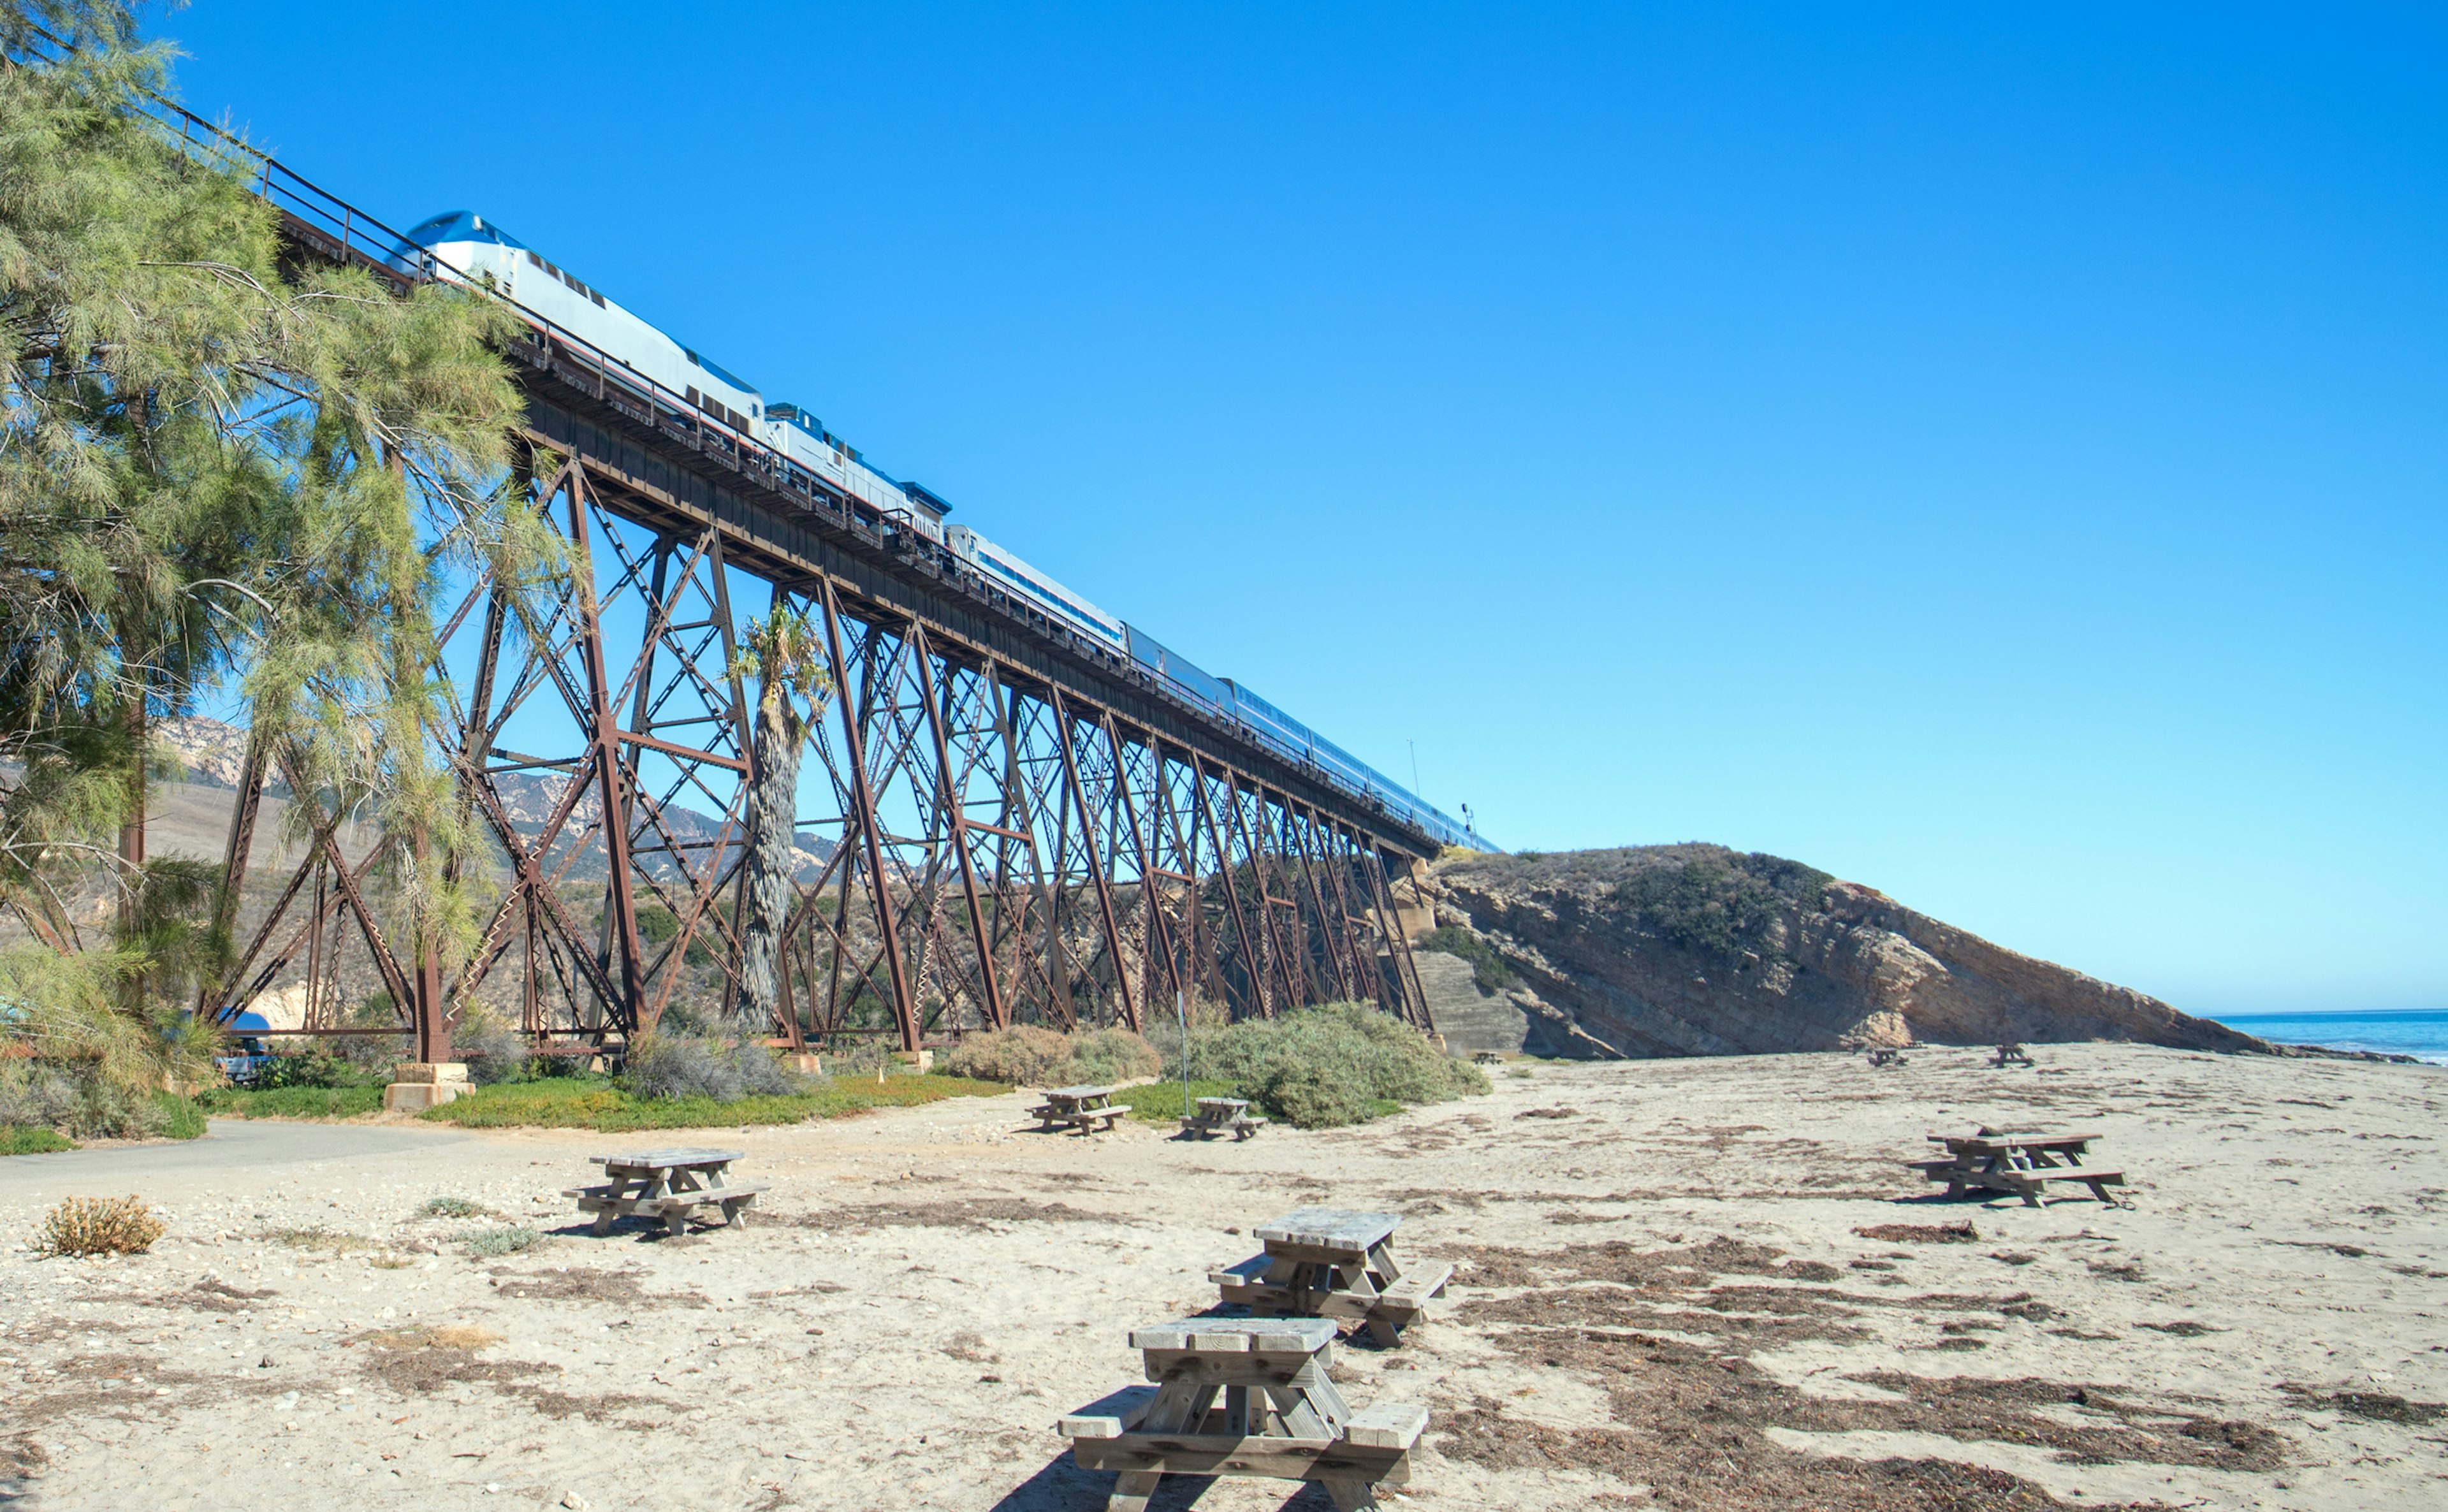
column 1087, row 1109
column 1243, row 1396
column 1886, row 1055
column 2011, row 1055
column 2019, row 1162
column 1220, row 1115
column 664, row 1185
column 1330, row 1263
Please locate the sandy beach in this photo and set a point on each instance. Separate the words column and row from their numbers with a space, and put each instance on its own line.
column 1666, row 1298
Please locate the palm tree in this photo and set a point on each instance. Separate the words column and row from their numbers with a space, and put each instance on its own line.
column 782, row 653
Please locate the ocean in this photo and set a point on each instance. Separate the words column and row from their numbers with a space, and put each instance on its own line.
column 2393, row 1031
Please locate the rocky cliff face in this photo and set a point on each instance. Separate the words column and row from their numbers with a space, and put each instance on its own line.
column 1695, row 949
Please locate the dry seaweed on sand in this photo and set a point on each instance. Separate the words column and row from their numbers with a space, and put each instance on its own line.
column 1962, row 1232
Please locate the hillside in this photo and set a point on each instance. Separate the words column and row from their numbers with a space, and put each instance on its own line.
column 212, row 755
column 1695, row 949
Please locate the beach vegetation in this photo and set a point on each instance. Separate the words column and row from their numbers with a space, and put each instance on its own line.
column 601, row 1102
column 1721, row 903
column 77, row 1101
column 98, row 1226
column 492, row 1243
column 682, row 1066
column 1026, row 1056
column 24, row 1139
column 1326, row 1067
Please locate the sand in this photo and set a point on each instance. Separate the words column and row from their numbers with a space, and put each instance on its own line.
column 1663, row 1301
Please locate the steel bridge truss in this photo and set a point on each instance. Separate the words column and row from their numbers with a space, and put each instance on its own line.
column 978, row 844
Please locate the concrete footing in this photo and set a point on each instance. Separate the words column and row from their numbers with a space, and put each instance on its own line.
column 425, row 1084
column 921, row 1061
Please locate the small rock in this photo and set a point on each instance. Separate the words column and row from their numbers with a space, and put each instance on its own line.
column 575, row 1502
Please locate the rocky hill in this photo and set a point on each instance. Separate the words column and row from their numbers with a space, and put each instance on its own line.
column 1695, row 949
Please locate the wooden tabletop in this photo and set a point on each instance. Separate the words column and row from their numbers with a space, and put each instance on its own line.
column 1241, row 1335
column 2034, row 1141
column 1236, row 1105
column 1077, row 1094
column 1330, row 1227
column 669, row 1159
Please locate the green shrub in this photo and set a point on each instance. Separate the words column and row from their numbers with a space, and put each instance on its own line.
column 77, row 1102
column 1721, row 903
column 493, row 1050
column 1021, row 1056
column 595, row 1102
column 493, row 1243
column 1162, row 1102
column 452, row 1208
column 21, row 1138
column 679, row 1065
column 1490, row 970
column 658, row 924
column 1309, row 1095
column 182, row 1117
column 1026, row 1056
column 1109, row 1055
column 1323, row 1067
column 293, row 1102
column 317, row 1068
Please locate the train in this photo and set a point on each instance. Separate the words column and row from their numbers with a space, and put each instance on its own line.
column 638, row 356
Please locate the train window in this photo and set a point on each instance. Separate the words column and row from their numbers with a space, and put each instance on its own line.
column 597, row 297
column 535, row 258
column 692, row 393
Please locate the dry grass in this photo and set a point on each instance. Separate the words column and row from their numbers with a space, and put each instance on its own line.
column 98, row 1226
column 411, row 1360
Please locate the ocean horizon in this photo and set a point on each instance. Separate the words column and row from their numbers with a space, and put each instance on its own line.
column 2418, row 1032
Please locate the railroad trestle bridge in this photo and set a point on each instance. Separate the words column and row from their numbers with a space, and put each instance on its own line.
column 1014, row 824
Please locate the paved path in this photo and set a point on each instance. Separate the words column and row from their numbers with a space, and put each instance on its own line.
column 231, row 1144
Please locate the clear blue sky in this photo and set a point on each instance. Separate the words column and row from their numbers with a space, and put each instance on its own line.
column 1994, row 453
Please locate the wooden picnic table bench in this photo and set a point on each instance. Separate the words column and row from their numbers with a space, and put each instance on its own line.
column 665, row 1186
column 2011, row 1055
column 1086, row 1109
column 1332, row 1263
column 1222, row 1115
column 2018, row 1162
column 1243, row 1396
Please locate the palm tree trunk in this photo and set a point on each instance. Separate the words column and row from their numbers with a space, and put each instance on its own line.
column 772, row 828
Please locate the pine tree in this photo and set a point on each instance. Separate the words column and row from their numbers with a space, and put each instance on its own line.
column 221, row 469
